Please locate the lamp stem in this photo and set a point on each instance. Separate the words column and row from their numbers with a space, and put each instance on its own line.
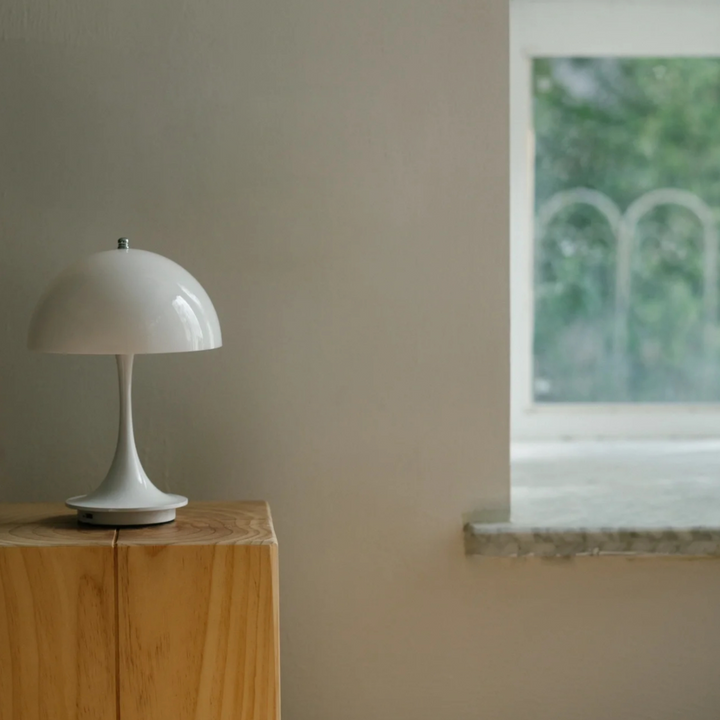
column 126, row 474
column 126, row 448
column 126, row 496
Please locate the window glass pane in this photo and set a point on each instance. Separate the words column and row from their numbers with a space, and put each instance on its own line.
column 627, row 192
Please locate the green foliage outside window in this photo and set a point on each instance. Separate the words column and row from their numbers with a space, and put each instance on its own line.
column 624, row 127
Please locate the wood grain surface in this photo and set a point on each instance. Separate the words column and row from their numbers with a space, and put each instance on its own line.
column 198, row 631
column 48, row 525
column 209, row 523
column 169, row 621
column 57, row 633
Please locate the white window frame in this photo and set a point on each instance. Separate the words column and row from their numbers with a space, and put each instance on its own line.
column 650, row 28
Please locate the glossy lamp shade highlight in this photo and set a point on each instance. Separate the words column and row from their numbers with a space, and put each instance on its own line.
column 125, row 302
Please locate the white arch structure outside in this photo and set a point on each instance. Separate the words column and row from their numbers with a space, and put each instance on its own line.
column 624, row 227
column 578, row 196
column 623, row 283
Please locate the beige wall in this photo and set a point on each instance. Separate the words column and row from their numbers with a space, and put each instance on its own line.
column 335, row 173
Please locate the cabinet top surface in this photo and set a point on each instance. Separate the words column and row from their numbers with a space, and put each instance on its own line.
column 208, row 523
column 200, row 523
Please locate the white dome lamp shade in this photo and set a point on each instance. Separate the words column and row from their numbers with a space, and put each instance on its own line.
column 125, row 302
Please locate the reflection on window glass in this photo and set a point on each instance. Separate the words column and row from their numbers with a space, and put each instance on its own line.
column 627, row 196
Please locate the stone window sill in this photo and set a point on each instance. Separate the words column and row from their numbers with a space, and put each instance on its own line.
column 508, row 540
column 658, row 497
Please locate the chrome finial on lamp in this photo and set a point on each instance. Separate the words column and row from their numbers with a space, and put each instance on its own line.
column 125, row 302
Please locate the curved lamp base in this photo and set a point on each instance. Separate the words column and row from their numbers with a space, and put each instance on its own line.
column 117, row 518
column 126, row 496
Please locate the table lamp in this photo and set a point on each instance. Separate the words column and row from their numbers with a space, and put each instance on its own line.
column 125, row 302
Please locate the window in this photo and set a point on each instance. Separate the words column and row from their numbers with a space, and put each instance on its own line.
column 615, row 168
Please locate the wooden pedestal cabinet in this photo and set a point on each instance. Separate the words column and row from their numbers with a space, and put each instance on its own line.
column 168, row 622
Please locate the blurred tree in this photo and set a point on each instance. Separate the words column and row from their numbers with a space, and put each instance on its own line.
column 624, row 127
